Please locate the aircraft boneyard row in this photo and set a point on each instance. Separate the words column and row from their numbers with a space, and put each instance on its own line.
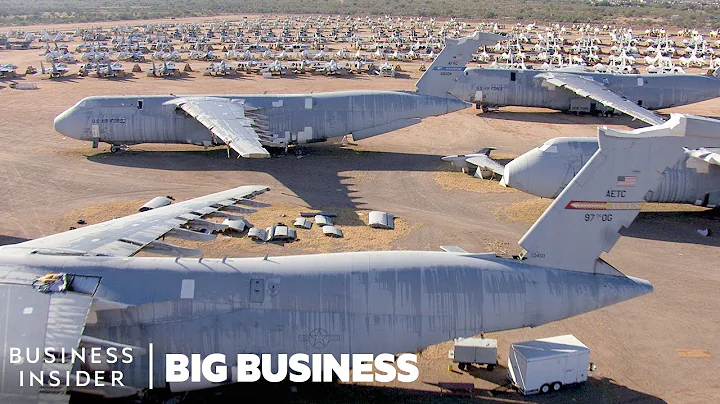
column 605, row 49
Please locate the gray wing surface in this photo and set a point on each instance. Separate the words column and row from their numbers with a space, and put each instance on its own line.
column 710, row 155
column 586, row 87
column 486, row 163
column 38, row 320
column 226, row 120
column 125, row 236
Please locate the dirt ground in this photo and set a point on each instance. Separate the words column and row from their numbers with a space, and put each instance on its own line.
column 49, row 181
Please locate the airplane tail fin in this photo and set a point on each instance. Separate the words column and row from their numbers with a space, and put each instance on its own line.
column 42, row 68
column 608, row 193
column 440, row 77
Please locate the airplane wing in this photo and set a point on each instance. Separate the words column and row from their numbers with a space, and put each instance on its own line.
column 227, row 121
column 38, row 320
column 126, row 236
column 486, row 163
column 586, row 87
column 710, row 155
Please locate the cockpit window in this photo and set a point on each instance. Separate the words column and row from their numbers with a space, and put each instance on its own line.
column 81, row 104
column 548, row 148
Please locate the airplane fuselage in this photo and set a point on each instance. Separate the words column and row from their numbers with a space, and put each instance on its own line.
column 370, row 302
column 284, row 119
column 516, row 87
column 546, row 170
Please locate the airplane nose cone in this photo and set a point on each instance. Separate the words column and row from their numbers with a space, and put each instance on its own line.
column 63, row 123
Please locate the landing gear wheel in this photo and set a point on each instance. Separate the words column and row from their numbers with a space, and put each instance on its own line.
column 556, row 386
column 545, row 388
column 490, row 368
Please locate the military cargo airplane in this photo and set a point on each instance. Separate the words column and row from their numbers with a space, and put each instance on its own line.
column 249, row 123
column 84, row 288
column 544, row 171
column 579, row 90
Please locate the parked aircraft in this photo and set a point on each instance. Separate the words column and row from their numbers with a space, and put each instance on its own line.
column 84, row 288
column 56, row 70
column 544, row 171
column 330, row 68
column 579, row 90
column 275, row 67
column 110, row 69
column 166, row 69
column 219, row 69
column 8, row 71
column 249, row 123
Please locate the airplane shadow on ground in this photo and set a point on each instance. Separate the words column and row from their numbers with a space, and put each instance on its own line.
column 595, row 390
column 677, row 227
column 560, row 118
column 317, row 178
column 5, row 240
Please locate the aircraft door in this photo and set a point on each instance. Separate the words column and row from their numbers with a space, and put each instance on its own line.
column 95, row 135
column 571, row 369
column 257, row 290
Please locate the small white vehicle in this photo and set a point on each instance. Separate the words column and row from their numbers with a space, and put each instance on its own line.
column 548, row 364
column 479, row 351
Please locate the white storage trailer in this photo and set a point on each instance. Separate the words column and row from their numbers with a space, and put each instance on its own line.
column 548, row 364
column 481, row 351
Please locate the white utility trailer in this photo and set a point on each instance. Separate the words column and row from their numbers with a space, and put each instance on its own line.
column 548, row 364
column 480, row 351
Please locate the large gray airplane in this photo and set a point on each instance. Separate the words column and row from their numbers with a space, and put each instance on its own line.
column 544, row 171
column 84, row 288
column 248, row 123
column 577, row 90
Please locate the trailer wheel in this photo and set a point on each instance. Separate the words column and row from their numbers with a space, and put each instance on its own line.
column 490, row 368
column 545, row 388
column 556, row 386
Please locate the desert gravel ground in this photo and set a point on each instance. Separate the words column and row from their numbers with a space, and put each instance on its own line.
column 49, row 182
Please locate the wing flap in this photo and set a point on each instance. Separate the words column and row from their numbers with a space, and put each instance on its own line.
column 126, row 236
column 227, row 121
column 588, row 88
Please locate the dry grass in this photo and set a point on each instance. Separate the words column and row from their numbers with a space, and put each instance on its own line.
column 357, row 235
column 97, row 213
column 526, row 211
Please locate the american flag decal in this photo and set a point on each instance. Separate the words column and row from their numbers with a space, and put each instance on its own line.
column 626, row 181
